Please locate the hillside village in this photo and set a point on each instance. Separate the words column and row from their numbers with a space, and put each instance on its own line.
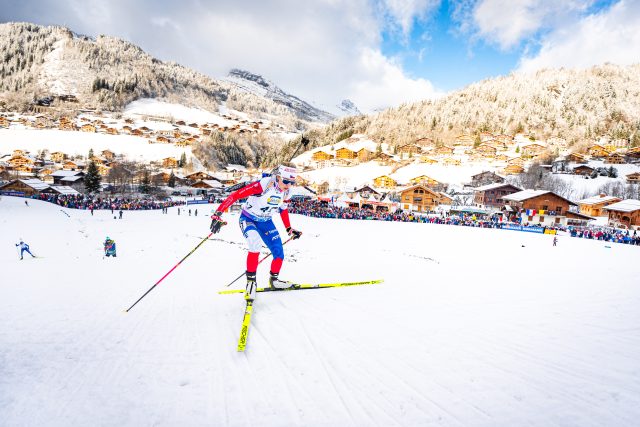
column 500, row 157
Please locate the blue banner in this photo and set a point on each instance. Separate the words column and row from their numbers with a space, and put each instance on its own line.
column 197, row 202
column 517, row 227
column 12, row 193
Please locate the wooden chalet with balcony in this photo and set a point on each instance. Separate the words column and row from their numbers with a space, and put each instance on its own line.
column 26, row 187
column 169, row 162
column 365, row 155
column 444, row 150
column 384, row 181
column 57, row 156
column 633, row 152
column 615, row 159
column 532, row 150
column 624, row 214
column 424, row 179
column 486, row 150
column 513, row 169
column 464, row 140
column 420, row 198
column 594, row 206
column 577, row 158
column 633, row 178
column 485, row 178
column 597, row 150
column 491, row 195
column 583, row 170
column 408, row 149
column 88, row 128
column 346, row 154
column 73, row 165
column 320, row 155
column 4, row 122
column 199, row 176
column 540, row 207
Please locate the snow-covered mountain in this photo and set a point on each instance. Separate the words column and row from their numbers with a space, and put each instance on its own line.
column 348, row 108
column 55, row 64
column 258, row 85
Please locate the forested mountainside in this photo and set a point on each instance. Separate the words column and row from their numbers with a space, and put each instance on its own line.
column 577, row 105
column 107, row 73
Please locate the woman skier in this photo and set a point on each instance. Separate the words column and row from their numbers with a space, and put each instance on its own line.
column 264, row 198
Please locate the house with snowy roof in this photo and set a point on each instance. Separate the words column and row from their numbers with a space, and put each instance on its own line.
column 594, row 206
column 624, row 214
column 420, row 198
column 24, row 187
column 492, row 195
column 542, row 207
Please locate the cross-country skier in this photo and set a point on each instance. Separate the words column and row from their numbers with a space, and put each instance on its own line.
column 264, row 197
column 24, row 248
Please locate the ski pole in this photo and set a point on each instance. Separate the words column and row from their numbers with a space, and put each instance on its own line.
column 265, row 257
column 169, row 272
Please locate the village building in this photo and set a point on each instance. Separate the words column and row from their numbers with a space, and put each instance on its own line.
column 88, row 128
column 320, row 188
column 424, row 179
column 345, row 153
column 594, row 206
column 321, row 155
column 198, row 176
column 365, row 155
column 169, row 162
column 615, row 158
column 485, row 178
column 420, row 198
column 583, row 170
column 60, row 177
column 384, row 181
column 532, row 150
column 57, row 156
column 624, row 214
column 109, row 155
column 597, row 150
column 491, row 196
column 577, row 158
column 540, row 207
column 73, row 165
column 24, row 187
column 633, row 178
column 465, row 140
column 444, row 150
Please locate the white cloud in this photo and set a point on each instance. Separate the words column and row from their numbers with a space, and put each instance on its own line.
column 404, row 12
column 314, row 49
column 610, row 36
column 382, row 80
column 507, row 23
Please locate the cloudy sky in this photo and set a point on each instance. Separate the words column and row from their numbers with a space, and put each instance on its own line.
column 378, row 53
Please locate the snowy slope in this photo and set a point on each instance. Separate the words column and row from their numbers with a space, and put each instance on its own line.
column 443, row 342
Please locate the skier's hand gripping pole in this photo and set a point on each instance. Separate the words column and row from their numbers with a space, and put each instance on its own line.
column 216, row 222
column 169, row 272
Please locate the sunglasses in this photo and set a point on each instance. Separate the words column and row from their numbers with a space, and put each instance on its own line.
column 288, row 181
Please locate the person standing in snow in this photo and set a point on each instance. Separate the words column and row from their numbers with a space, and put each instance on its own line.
column 24, row 248
column 555, row 240
column 264, row 198
column 109, row 247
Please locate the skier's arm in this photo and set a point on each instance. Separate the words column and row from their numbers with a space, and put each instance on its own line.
column 244, row 192
column 295, row 234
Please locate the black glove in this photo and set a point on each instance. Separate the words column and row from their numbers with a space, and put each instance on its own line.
column 295, row 234
column 216, row 222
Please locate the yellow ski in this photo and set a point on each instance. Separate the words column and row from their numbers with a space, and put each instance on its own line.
column 304, row 286
column 246, row 321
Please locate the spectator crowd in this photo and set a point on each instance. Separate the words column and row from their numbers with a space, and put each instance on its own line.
column 319, row 209
column 80, row 201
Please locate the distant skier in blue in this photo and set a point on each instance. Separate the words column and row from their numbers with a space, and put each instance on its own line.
column 24, row 248
column 109, row 247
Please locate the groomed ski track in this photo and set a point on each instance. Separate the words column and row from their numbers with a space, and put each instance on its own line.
column 471, row 327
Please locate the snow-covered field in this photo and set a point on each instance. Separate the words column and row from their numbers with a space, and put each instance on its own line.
column 472, row 327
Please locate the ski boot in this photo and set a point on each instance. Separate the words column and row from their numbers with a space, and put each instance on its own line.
column 276, row 283
column 252, row 285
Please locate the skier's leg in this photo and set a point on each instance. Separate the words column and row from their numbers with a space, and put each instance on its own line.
column 274, row 243
column 254, row 243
